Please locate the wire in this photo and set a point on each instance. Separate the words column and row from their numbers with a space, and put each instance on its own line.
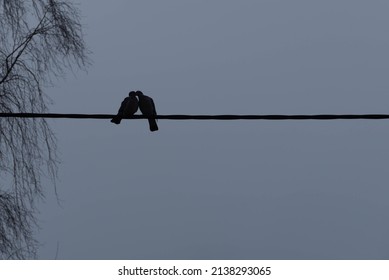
column 203, row 117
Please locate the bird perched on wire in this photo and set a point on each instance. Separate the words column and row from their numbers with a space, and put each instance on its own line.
column 128, row 107
column 147, row 107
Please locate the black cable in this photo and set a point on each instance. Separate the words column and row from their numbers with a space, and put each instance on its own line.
column 203, row 117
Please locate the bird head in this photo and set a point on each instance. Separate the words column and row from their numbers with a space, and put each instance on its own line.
column 132, row 93
column 139, row 93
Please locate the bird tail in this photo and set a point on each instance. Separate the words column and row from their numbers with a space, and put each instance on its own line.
column 116, row 120
column 153, row 125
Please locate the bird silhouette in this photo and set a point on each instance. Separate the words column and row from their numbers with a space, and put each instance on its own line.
column 147, row 107
column 128, row 107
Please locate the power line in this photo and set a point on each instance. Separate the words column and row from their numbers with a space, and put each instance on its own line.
column 203, row 117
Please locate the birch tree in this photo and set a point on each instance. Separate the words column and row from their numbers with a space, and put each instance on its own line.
column 39, row 41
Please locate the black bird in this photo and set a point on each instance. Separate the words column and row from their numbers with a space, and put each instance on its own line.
column 147, row 107
column 128, row 107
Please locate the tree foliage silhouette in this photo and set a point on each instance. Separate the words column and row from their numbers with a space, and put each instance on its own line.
column 39, row 40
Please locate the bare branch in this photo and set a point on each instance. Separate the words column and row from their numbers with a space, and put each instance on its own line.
column 39, row 39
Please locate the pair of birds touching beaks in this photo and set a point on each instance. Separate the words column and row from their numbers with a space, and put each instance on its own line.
column 131, row 104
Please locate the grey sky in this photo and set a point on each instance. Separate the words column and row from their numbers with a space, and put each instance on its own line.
column 235, row 189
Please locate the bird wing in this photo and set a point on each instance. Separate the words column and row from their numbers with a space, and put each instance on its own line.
column 123, row 106
column 131, row 106
column 153, row 107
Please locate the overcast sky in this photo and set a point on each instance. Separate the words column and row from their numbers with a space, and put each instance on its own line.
column 225, row 189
